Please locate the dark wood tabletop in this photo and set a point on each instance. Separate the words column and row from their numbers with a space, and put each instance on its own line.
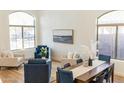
column 91, row 74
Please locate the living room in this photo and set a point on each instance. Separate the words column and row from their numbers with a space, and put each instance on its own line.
column 61, row 46
column 43, row 23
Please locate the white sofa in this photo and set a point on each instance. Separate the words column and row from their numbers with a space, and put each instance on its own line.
column 70, row 58
column 10, row 60
column 67, row 60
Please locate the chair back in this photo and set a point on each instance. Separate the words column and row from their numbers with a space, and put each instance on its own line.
column 64, row 76
column 108, row 74
column 79, row 61
column 104, row 58
column 67, row 65
column 37, row 61
column 36, row 73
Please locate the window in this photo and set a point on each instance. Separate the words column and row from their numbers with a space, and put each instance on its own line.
column 22, row 30
column 107, row 40
column 111, row 34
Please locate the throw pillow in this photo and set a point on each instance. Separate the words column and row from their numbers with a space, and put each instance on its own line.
column 70, row 55
column 10, row 55
column 76, row 55
column 4, row 54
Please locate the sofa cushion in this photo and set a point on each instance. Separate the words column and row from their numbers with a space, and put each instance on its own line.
column 4, row 54
column 10, row 55
column 19, row 58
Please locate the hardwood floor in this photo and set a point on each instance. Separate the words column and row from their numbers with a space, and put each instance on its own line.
column 118, row 79
column 12, row 75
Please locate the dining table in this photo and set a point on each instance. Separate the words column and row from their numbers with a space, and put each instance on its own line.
column 85, row 74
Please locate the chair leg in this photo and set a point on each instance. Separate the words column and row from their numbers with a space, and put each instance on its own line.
column 109, row 81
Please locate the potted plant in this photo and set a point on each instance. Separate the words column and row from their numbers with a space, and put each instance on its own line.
column 43, row 52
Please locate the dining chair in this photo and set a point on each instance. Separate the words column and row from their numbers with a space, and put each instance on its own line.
column 108, row 72
column 67, row 65
column 99, row 79
column 64, row 76
column 108, row 75
column 104, row 57
column 79, row 61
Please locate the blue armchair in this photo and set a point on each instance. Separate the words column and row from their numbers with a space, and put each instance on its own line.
column 63, row 76
column 37, row 71
column 48, row 56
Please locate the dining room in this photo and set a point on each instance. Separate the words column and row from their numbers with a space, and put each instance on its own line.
column 99, row 70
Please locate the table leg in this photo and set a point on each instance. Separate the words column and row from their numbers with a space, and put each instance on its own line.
column 113, row 73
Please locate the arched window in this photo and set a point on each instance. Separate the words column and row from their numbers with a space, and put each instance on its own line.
column 21, row 27
column 111, row 34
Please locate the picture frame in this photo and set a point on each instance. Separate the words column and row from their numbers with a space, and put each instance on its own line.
column 63, row 36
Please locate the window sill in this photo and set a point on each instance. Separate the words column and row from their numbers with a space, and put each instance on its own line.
column 22, row 49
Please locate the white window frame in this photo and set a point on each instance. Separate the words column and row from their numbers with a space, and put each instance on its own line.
column 108, row 25
column 22, row 27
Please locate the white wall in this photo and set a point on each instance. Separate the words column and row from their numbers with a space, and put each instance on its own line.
column 82, row 22
column 119, row 67
column 84, row 25
column 4, row 31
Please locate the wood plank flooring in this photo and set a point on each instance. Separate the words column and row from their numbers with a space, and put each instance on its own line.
column 12, row 75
